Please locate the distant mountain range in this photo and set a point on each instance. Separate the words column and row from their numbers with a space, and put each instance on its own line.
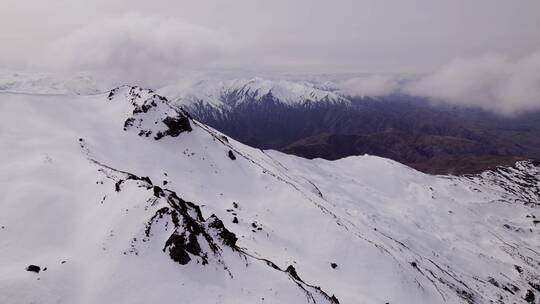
column 317, row 120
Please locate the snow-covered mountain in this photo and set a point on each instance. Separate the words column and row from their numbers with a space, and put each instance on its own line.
column 223, row 95
column 124, row 198
column 315, row 118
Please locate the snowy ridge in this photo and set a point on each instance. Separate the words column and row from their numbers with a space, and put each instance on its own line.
column 193, row 237
column 521, row 181
column 226, row 94
column 119, row 214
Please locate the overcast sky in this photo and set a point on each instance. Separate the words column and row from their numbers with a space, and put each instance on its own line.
column 303, row 35
column 157, row 40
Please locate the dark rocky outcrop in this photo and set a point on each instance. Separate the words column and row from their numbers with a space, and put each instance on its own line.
column 179, row 245
column 226, row 236
column 292, row 271
column 191, row 232
column 33, row 268
column 176, row 125
column 529, row 297
column 146, row 107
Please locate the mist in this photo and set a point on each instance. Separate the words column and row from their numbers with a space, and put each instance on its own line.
column 491, row 82
column 482, row 53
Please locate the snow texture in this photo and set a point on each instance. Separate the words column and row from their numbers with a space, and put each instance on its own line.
column 112, row 212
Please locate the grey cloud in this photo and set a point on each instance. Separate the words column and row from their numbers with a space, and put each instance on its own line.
column 491, row 82
column 136, row 49
column 373, row 85
column 166, row 39
column 312, row 36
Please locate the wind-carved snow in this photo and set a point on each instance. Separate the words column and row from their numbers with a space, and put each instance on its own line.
column 116, row 213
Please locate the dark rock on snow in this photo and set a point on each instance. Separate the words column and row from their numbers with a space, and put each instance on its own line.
column 33, row 268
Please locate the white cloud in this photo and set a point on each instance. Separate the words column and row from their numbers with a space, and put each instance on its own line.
column 374, row 85
column 491, row 82
column 136, row 49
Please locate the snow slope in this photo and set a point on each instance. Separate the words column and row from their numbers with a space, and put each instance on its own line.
column 22, row 81
column 126, row 199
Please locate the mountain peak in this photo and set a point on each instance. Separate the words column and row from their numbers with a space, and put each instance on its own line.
column 150, row 113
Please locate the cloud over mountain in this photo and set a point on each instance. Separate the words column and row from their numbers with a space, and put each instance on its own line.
column 491, row 82
column 136, row 49
column 373, row 85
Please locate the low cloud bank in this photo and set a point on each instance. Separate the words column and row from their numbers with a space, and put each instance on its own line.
column 136, row 49
column 154, row 51
column 375, row 85
column 491, row 82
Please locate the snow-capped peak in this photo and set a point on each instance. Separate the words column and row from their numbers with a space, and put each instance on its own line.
column 149, row 113
column 223, row 94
